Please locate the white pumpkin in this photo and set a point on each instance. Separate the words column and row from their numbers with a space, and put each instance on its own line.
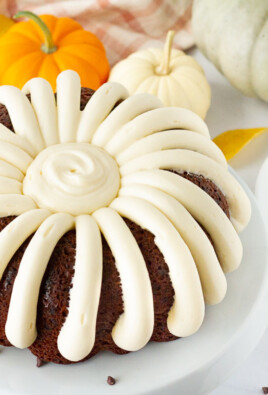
column 233, row 34
column 175, row 78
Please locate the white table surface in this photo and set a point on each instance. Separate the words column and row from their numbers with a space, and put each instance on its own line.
column 231, row 110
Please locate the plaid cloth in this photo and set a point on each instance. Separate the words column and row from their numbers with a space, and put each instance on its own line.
column 123, row 26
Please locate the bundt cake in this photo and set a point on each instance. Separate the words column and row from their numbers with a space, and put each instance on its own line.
column 118, row 220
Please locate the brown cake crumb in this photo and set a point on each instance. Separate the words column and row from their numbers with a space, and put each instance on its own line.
column 39, row 362
column 111, row 380
column 265, row 390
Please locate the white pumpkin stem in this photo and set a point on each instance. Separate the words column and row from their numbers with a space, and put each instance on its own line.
column 163, row 68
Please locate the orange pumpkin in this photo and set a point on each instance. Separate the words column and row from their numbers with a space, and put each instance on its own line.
column 5, row 24
column 44, row 46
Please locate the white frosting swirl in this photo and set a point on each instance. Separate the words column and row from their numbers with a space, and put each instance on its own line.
column 76, row 178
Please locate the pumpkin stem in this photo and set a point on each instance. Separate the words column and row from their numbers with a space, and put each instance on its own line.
column 48, row 46
column 163, row 68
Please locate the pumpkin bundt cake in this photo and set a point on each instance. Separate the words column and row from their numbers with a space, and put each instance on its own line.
column 118, row 220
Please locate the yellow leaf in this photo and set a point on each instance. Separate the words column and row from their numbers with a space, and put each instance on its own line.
column 232, row 141
column 5, row 24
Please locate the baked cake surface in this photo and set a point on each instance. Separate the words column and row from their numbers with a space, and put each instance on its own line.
column 119, row 219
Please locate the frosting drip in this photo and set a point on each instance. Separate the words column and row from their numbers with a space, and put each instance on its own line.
column 76, row 178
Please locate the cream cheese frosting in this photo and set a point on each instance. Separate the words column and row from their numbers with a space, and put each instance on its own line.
column 134, row 327
column 76, row 178
column 77, row 336
column 67, row 169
